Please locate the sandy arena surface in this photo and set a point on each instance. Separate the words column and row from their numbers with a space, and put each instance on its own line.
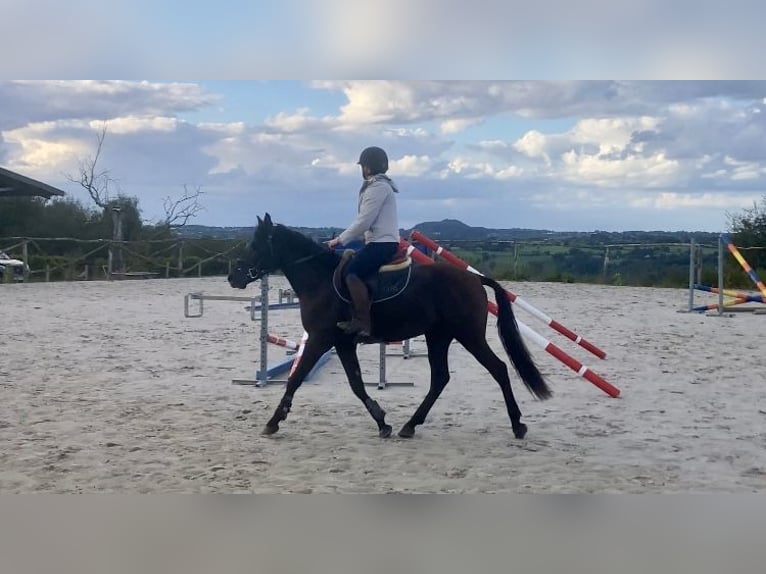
column 107, row 387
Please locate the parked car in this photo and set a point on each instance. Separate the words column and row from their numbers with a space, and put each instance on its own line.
column 18, row 267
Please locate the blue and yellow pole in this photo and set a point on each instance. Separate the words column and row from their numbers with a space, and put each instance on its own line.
column 745, row 265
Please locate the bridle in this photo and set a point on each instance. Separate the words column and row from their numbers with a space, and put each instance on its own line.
column 254, row 274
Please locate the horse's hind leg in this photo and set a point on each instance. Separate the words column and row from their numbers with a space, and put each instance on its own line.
column 347, row 354
column 479, row 348
column 438, row 346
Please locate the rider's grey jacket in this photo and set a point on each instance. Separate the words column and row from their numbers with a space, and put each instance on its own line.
column 377, row 220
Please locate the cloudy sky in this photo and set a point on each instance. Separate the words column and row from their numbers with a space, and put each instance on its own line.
column 554, row 155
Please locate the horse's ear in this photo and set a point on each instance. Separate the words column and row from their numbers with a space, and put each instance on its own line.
column 259, row 219
column 267, row 220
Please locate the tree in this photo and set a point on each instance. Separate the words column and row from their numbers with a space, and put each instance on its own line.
column 15, row 212
column 130, row 219
column 100, row 187
column 106, row 194
column 749, row 230
column 98, row 184
column 119, row 214
column 179, row 211
column 63, row 217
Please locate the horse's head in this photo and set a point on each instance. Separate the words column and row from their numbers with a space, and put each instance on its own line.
column 260, row 259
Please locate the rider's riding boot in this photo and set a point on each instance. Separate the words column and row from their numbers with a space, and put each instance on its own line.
column 360, row 300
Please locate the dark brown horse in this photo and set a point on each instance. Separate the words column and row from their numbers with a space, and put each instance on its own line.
column 441, row 301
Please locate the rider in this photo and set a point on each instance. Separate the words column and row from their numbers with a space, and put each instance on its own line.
column 377, row 223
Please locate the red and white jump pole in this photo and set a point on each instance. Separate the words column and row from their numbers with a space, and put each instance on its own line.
column 299, row 354
column 572, row 363
column 322, row 360
column 553, row 324
column 282, row 342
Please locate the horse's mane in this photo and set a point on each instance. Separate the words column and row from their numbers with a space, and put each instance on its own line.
column 299, row 245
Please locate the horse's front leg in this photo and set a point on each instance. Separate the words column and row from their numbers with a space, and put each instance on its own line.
column 316, row 346
column 347, row 353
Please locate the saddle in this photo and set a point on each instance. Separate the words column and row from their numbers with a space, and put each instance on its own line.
column 390, row 280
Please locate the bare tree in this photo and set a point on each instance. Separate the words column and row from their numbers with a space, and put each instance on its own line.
column 178, row 211
column 103, row 189
column 96, row 183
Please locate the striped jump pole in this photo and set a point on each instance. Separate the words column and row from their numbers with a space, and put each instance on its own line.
column 322, row 360
column 282, row 342
column 716, row 306
column 572, row 363
column 738, row 299
column 555, row 325
column 738, row 295
column 727, row 292
column 299, row 354
column 745, row 265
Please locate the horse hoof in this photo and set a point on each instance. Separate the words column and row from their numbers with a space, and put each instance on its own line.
column 407, row 432
column 269, row 430
column 385, row 431
column 520, row 431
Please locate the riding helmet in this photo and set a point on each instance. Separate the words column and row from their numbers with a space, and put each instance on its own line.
column 375, row 159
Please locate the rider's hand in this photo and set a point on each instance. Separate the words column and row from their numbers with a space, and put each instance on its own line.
column 333, row 243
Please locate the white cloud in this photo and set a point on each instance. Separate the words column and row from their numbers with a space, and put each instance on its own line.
column 610, row 134
column 379, row 101
column 533, row 144
column 413, row 101
column 674, row 200
column 133, row 125
column 625, row 151
column 634, row 171
column 49, row 149
column 601, row 152
column 44, row 158
column 458, row 125
column 300, row 121
column 473, row 169
column 509, row 172
column 38, row 150
column 410, row 165
column 744, row 170
column 230, row 129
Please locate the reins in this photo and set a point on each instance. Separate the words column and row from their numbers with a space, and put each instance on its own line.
column 252, row 274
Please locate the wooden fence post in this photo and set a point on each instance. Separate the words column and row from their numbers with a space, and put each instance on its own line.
column 118, row 257
column 25, row 259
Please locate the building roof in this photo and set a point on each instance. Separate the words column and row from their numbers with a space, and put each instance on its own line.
column 14, row 184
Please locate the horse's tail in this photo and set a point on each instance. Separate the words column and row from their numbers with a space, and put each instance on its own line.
column 514, row 344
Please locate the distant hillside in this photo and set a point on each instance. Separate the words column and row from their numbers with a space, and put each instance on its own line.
column 455, row 230
column 451, row 228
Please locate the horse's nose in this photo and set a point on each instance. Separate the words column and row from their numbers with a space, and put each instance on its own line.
column 236, row 281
